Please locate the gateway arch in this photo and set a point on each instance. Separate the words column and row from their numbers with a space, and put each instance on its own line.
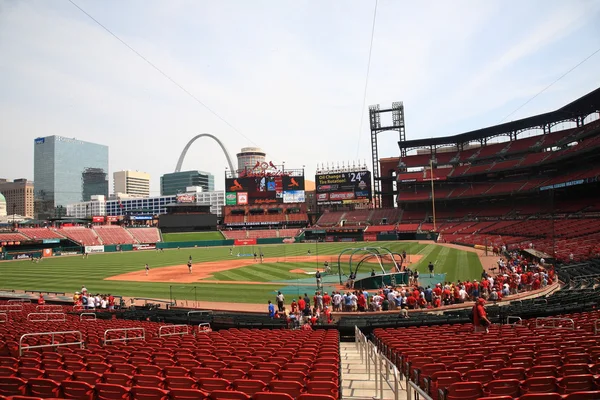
column 187, row 146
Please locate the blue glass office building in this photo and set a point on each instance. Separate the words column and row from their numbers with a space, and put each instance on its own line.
column 67, row 171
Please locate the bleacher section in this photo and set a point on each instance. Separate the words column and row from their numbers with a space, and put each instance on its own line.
column 511, row 361
column 383, row 216
column 81, row 235
column 581, row 237
column 113, row 234
column 145, row 235
column 40, row 233
column 228, row 364
column 12, row 236
column 260, row 233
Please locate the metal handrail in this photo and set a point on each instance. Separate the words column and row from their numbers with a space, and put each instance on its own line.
column 554, row 321
column 19, row 301
column 78, row 308
column 48, row 308
column 596, row 326
column 126, row 338
column 388, row 373
column 87, row 319
column 420, row 393
column 204, row 327
column 5, row 315
column 511, row 317
column 11, row 307
column 206, row 312
column 52, row 334
column 47, row 314
column 186, row 332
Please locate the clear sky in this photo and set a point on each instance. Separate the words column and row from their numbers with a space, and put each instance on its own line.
column 288, row 75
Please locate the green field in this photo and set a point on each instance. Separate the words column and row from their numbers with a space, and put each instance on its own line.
column 67, row 274
column 192, row 236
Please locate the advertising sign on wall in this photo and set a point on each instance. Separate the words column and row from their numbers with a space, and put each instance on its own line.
column 97, row 219
column 230, row 199
column 343, row 188
column 144, row 246
column 186, row 198
column 244, row 242
column 242, row 198
column 94, row 249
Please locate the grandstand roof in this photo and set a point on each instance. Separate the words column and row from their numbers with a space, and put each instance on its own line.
column 583, row 106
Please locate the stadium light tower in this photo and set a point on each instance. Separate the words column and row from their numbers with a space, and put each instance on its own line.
column 375, row 112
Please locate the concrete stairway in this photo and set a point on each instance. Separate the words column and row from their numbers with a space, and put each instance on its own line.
column 355, row 380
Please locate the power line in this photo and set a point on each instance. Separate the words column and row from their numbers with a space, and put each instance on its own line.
column 550, row 85
column 362, row 114
column 160, row 71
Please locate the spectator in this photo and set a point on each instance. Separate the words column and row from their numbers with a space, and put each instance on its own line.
column 480, row 321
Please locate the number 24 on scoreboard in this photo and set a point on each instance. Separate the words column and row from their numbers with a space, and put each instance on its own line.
column 356, row 176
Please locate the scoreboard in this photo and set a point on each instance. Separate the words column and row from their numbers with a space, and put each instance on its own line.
column 272, row 189
column 343, row 188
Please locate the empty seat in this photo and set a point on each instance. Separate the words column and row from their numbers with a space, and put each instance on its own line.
column 228, row 395
column 107, row 391
column 41, row 387
column 77, row 390
column 464, row 391
column 12, row 386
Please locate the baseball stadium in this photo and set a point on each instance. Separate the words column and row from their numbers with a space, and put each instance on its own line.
column 466, row 267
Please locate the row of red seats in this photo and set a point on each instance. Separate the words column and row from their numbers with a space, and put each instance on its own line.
column 41, row 388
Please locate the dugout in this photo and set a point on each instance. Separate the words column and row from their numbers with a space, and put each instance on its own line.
column 341, row 234
column 187, row 218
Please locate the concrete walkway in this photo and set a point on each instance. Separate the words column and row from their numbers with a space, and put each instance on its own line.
column 355, row 380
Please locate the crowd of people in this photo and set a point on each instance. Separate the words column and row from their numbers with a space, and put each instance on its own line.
column 513, row 274
column 92, row 302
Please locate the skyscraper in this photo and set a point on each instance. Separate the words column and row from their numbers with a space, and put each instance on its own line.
column 248, row 157
column 67, row 171
column 177, row 182
column 19, row 196
column 133, row 183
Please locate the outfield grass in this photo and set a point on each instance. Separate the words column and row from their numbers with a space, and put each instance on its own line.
column 67, row 274
column 192, row 236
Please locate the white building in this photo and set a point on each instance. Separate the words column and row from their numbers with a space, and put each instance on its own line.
column 2, row 206
column 127, row 205
column 249, row 156
column 133, row 183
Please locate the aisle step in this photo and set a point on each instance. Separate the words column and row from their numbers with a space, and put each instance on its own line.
column 356, row 384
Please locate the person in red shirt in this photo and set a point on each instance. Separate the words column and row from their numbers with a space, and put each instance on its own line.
column 326, row 299
column 301, row 304
column 437, row 290
column 328, row 313
column 41, row 300
column 411, row 302
column 480, row 320
column 437, row 302
column 111, row 302
column 361, row 302
column 294, row 306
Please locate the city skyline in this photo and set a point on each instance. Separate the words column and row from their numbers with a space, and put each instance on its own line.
column 457, row 66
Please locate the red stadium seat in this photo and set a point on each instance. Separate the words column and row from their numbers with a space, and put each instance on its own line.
column 180, row 382
column 272, row 396
column 188, row 394
column 12, row 386
column 43, row 388
column 77, row 390
column 292, row 388
column 107, row 391
column 228, row 395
